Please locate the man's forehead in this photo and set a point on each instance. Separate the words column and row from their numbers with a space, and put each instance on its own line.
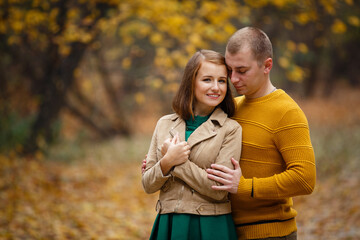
column 240, row 57
column 245, row 49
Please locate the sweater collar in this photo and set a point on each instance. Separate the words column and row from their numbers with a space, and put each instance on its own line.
column 274, row 94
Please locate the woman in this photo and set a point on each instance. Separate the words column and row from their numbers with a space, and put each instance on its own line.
column 188, row 208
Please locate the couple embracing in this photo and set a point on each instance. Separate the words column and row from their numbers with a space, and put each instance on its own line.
column 256, row 147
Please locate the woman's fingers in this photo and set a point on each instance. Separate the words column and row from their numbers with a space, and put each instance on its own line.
column 173, row 140
column 176, row 138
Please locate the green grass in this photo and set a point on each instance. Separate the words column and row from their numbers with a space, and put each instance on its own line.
column 337, row 150
column 117, row 149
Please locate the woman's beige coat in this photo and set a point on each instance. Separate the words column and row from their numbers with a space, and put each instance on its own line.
column 186, row 189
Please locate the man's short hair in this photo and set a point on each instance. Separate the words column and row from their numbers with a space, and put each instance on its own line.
column 259, row 43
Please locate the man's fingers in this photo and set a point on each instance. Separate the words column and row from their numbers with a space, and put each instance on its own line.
column 224, row 188
column 143, row 167
column 218, row 179
column 217, row 173
column 235, row 163
column 221, row 168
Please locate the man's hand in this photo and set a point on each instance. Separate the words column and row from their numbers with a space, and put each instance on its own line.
column 143, row 166
column 227, row 177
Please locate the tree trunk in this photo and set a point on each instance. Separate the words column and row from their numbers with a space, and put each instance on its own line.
column 120, row 124
column 57, row 79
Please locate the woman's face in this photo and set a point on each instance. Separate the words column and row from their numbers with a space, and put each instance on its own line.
column 210, row 87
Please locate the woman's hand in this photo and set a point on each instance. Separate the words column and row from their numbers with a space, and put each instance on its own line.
column 177, row 153
column 165, row 146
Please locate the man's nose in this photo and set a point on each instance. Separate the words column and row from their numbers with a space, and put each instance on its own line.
column 234, row 77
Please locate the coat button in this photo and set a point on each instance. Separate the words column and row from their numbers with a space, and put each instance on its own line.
column 201, row 209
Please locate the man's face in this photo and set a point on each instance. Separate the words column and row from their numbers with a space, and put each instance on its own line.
column 247, row 77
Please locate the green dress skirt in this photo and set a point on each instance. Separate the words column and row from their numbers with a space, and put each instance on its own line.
column 190, row 226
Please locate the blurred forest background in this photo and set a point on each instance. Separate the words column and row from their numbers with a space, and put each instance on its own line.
column 83, row 82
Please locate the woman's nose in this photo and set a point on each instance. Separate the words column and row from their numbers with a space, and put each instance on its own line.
column 215, row 86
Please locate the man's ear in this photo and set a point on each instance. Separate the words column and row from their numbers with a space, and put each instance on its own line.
column 268, row 63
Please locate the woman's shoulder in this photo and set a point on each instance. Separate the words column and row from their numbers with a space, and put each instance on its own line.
column 224, row 121
column 231, row 123
column 168, row 117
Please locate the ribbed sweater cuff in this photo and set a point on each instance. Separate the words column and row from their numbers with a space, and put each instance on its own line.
column 267, row 230
column 245, row 187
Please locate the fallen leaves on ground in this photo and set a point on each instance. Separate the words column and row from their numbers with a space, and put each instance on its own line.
column 52, row 200
column 332, row 211
column 105, row 200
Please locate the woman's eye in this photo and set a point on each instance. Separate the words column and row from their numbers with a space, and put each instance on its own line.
column 207, row 79
column 222, row 80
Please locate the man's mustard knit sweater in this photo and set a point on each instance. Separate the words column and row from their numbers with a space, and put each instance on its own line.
column 277, row 163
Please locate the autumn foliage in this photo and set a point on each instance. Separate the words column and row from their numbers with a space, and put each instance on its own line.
column 100, row 61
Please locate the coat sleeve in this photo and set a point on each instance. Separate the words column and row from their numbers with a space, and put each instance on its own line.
column 152, row 178
column 196, row 177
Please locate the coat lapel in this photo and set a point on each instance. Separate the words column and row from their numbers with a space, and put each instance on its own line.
column 203, row 132
column 178, row 127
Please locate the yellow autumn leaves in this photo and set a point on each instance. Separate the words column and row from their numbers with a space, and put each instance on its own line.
column 293, row 72
column 173, row 29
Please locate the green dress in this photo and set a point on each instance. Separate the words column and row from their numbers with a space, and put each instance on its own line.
column 191, row 226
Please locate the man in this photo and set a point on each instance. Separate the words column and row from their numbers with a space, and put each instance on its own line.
column 277, row 160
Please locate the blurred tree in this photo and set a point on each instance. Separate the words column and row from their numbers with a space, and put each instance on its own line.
column 45, row 42
column 61, row 54
column 312, row 40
